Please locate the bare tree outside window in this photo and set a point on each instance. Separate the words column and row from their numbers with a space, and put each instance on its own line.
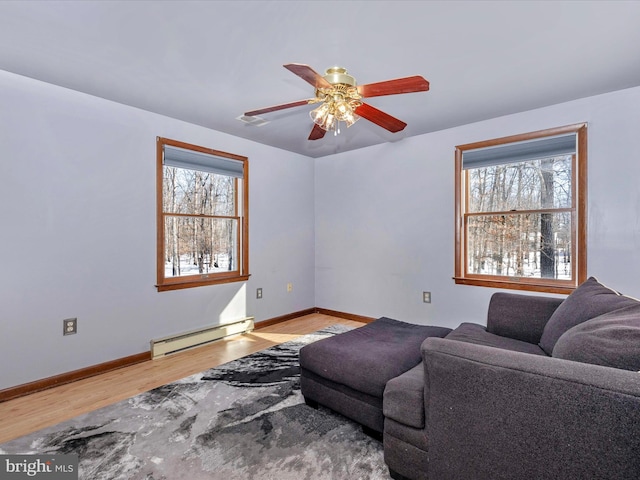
column 521, row 221
column 203, row 243
column 202, row 217
column 515, row 227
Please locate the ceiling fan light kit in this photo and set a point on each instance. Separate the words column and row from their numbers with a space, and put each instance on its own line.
column 338, row 102
column 341, row 99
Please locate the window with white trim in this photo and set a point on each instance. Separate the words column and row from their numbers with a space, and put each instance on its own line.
column 521, row 211
column 202, row 197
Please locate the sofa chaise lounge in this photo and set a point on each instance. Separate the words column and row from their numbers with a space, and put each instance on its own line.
column 549, row 389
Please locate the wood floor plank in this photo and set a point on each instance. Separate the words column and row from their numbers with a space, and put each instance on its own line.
column 27, row 414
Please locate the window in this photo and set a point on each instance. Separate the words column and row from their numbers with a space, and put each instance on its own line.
column 202, row 197
column 521, row 211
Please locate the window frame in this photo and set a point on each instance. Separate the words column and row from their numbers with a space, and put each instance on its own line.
column 198, row 280
column 578, row 213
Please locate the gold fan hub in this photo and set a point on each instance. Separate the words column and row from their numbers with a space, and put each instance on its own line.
column 339, row 75
column 343, row 87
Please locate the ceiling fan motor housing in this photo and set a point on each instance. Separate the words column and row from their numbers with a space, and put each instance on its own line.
column 339, row 75
column 343, row 87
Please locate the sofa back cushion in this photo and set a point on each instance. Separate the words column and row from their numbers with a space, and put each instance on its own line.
column 591, row 299
column 612, row 340
column 478, row 335
column 521, row 317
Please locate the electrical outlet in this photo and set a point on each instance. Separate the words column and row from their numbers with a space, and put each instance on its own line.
column 69, row 326
column 259, row 293
column 426, row 297
column 289, row 287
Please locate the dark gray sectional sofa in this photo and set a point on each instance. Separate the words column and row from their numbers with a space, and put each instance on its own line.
column 549, row 389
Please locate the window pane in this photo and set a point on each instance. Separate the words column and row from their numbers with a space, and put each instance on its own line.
column 194, row 192
column 200, row 245
column 520, row 245
column 532, row 185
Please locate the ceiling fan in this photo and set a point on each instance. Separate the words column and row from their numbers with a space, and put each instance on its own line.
column 341, row 99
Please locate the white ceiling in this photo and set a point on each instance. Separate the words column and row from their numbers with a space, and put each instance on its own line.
column 207, row 62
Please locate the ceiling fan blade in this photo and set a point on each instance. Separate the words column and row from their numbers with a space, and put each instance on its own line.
column 317, row 132
column 308, row 74
column 394, row 87
column 380, row 118
column 275, row 108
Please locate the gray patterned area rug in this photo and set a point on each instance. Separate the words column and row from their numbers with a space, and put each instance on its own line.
column 242, row 420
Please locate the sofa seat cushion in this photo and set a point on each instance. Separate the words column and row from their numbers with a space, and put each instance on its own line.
column 403, row 399
column 591, row 299
column 611, row 340
column 366, row 358
column 409, row 436
column 477, row 334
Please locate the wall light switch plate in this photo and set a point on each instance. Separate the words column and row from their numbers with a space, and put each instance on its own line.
column 259, row 293
column 426, row 297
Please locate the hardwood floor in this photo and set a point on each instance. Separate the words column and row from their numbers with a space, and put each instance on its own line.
column 27, row 414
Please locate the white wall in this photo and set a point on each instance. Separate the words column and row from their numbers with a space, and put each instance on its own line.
column 384, row 215
column 77, row 213
column 77, row 210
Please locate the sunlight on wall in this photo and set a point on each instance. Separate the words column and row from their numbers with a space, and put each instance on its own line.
column 237, row 306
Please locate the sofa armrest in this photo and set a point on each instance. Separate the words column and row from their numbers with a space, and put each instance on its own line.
column 494, row 414
column 518, row 316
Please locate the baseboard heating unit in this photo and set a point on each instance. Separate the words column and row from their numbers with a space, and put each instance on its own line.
column 196, row 338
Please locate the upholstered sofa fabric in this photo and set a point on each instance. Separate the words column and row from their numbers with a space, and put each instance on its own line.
column 520, row 317
column 404, row 398
column 612, row 340
column 348, row 372
column 478, row 335
column 588, row 301
column 497, row 406
column 496, row 414
column 366, row 358
column 405, row 448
